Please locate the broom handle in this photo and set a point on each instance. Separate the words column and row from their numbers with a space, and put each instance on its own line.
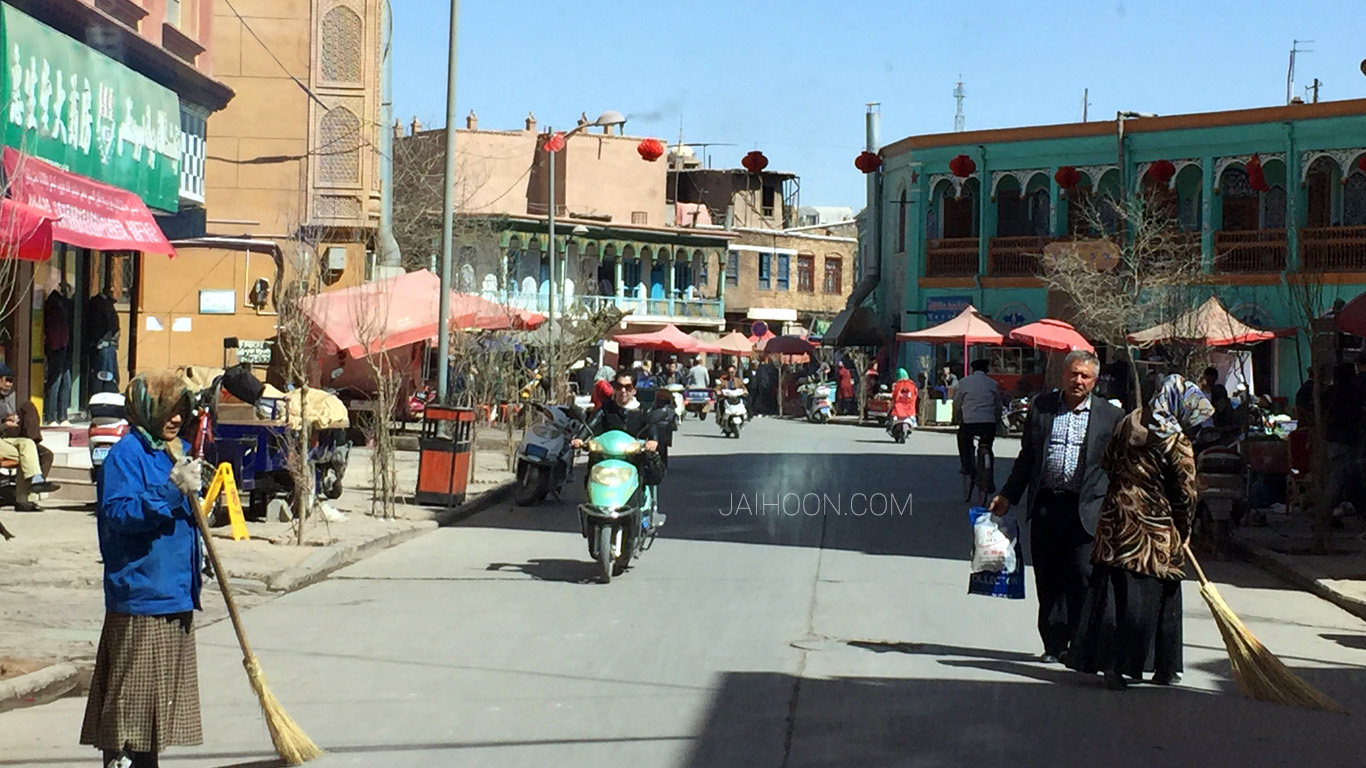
column 221, row 576
column 1200, row 572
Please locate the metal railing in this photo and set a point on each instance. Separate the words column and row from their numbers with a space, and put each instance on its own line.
column 1333, row 249
column 675, row 307
column 1015, row 256
column 1257, row 250
column 951, row 257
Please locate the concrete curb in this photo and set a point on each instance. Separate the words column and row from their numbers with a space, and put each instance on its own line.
column 492, row 497
column 47, row 684
column 1283, row 567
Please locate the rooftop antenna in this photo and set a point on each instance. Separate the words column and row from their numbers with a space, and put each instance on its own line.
column 1085, row 102
column 1290, row 74
column 1313, row 90
column 958, row 95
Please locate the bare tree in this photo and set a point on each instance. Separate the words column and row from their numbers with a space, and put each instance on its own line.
column 369, row 310
column 1308, row 303
column 1150, row 277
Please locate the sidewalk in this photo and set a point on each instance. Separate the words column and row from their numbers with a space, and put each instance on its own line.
column 52, row 603
column 1284, row 548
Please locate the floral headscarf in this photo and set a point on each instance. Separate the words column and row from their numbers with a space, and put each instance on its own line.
column 151, row 399
column 1179, row 405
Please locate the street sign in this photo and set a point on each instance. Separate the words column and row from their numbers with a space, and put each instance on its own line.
column 941, row 309
column 253, row 352
column 758, row 328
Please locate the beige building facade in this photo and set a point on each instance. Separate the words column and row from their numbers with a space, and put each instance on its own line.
column 292, row 179
column 788, row 279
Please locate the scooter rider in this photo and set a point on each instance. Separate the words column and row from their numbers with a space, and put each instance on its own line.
column 905, row 397
column 728, row 380
column 623, row 412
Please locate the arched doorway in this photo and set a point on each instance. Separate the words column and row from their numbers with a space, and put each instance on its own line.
column 1241, row 205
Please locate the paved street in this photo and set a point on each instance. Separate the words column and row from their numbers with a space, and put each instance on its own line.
column 758, row 640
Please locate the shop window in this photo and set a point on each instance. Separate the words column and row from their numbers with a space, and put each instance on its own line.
column 733, row 268
column 765, row 278
column 784, row 265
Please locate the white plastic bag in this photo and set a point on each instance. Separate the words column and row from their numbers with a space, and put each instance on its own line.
column 993, row 550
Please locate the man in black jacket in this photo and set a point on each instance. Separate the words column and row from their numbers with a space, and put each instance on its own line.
column 1064, row 438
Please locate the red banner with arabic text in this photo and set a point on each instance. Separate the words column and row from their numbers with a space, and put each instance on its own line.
column 88, row 214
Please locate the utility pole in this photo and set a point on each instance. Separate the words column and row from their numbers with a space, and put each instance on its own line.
column 443, row 340
column 1314, row 90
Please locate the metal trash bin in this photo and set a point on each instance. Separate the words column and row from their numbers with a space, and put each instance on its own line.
column 443, row 468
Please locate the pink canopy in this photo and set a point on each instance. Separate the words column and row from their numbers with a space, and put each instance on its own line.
column 1208, row 324
column 735, row 343
column 1053, row 335
column 968, row 328
column 403, row 310
column 669, row 338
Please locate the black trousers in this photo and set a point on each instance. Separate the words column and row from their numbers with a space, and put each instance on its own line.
column 966, row 456
column 1061, row 551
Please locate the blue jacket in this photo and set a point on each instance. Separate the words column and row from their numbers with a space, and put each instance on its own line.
column 148, row 537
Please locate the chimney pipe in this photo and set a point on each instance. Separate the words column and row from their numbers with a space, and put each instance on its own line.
column 472, row 121
column 531, row 122
column 398, row 128
column 417, row 124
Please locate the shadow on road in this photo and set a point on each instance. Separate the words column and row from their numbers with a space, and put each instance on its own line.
column 552, row 569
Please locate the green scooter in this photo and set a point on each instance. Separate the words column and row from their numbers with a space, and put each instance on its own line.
column 620, row 517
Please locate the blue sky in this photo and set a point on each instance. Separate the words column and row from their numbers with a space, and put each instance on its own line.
column 791, row 78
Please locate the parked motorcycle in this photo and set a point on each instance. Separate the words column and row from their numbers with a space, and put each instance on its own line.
column 108, row 425
column 733, row 412
column 1221, row 488
column 545, row 459
column 818, row 408
column 1016, row 414
column 620, row 517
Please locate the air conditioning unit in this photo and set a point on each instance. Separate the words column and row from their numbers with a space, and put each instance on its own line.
column 336, row 259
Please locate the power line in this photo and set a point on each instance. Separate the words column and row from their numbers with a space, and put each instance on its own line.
column 272, row 55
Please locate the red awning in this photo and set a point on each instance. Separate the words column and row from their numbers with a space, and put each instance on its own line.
column 25, row 232
column 88, row 214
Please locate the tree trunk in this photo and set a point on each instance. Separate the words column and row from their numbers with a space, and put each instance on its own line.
column 1319, row 469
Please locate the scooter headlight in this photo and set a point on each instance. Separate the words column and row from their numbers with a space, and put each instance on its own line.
column 610, row 476
column 594, row 446
column 632, row 448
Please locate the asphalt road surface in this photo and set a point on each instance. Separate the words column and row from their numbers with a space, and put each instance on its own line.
column 767, row 628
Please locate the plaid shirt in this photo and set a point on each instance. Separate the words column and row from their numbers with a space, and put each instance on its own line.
column 1064, row 448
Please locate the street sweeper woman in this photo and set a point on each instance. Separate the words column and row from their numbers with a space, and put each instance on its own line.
column 144, row 695
column 1133, row 603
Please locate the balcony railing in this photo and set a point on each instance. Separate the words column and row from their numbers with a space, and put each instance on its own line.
column 1258, row 250
column 1333, row 249
column 1015, row 256
column 679, row 307
column 951, row 257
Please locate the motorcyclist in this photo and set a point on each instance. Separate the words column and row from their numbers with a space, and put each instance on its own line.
column 905, row 397
column 729, row 380
column 624, row 413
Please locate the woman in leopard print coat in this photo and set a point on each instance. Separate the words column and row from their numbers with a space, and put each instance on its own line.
column 1133, row 606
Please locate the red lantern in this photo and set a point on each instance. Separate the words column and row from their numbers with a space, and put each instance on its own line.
column 1068, row 177
column 755, row 162
column 962, row 166
column 1161, row 171
column 868, row 161
column 555, row 143
column 650, row 149
column 1255, row 176
column 1361, row 163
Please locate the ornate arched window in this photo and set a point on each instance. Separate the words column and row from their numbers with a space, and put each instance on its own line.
column 339, row 148
column 342, row 46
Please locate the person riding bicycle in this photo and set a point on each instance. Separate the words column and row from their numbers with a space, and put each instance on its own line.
column 977, row 411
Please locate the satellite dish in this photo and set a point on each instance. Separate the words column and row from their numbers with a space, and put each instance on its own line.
column 1363, row 66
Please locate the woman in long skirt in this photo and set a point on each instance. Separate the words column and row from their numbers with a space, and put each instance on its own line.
column 1133, row 607
column 144, row 695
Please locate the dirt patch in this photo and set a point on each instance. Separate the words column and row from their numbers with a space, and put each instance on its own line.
column 12, row 667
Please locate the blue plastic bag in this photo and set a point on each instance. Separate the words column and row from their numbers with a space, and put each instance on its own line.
column 1004, row 583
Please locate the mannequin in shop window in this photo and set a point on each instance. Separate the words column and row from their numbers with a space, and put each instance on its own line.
column 57, row 313
column 102, row 335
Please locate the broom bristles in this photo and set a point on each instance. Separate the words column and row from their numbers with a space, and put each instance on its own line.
column 291, row 743
column 1259, row 673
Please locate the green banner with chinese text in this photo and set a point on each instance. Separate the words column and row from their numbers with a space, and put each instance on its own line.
column 79, row 109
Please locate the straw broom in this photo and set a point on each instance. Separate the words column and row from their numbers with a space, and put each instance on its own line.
column 291, row 743
column 1259, row 674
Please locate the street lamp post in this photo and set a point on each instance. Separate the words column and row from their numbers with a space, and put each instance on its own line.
column 605, row 120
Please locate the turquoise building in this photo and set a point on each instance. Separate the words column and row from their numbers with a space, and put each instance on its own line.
column 1273, row 196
